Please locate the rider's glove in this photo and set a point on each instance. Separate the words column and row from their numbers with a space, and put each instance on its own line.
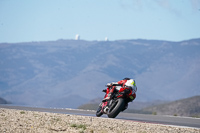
column 104, row 90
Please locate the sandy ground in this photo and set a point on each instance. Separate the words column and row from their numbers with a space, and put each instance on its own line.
column 19, row 121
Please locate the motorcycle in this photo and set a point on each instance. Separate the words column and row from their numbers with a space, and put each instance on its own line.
column 118, row 101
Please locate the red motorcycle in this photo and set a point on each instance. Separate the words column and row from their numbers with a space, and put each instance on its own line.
column 118, row 101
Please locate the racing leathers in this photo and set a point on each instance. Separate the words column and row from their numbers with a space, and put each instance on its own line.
column 127, row 84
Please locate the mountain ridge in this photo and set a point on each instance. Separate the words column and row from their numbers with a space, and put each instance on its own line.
column 184, row 107
column 36, row 73
column 3, row 101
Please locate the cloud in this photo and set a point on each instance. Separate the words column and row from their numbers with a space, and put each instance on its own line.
column 166, row 4
column 140, row 5
column 135, row 5
column 163, row 3
column 195, row 4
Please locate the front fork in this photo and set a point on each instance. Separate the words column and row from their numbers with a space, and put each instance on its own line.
column 106, row 106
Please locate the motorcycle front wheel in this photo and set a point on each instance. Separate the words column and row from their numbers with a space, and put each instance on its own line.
column 99, row 112
column 115, row 108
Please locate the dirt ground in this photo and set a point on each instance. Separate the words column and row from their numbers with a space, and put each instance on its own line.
column 19, row 121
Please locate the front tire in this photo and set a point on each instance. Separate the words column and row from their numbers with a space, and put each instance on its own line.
column 116, row 108
column 99, row 112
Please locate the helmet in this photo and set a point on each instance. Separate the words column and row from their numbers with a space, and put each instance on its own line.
column 131, row 83
column 126, row 79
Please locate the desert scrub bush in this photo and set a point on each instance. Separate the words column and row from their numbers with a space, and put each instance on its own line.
column 92, row 131
column 142, row 132
column 54, row 120
column 79, row 126
column 22, row 112
column 154, row 113
column 35, row 115
column 195, row 116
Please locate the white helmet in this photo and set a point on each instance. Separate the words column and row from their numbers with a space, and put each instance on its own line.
column 131, row 83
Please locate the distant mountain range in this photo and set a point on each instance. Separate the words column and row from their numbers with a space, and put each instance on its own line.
column 69, row 73
column 3, row 101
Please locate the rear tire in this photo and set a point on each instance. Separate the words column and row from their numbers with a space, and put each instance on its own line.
column 116, row 108
column 99, row 112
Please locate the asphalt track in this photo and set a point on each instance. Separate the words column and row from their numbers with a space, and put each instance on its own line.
column 156, row 119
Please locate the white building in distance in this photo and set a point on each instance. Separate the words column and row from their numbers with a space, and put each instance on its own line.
column 77, row 37
column 106, row 38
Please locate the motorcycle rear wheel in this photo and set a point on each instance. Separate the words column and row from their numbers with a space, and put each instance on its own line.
column 116, row 108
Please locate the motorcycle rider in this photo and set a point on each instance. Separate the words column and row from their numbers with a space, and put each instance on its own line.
column 127, row 84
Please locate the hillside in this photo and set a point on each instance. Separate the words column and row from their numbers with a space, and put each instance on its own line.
column 133, row 106
column 69, row 73
column 184, row 107
column 3, row 101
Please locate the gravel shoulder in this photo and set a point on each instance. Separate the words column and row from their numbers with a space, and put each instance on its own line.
column 20, row 121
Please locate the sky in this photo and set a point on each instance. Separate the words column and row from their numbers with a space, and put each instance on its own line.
column 48, row 20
